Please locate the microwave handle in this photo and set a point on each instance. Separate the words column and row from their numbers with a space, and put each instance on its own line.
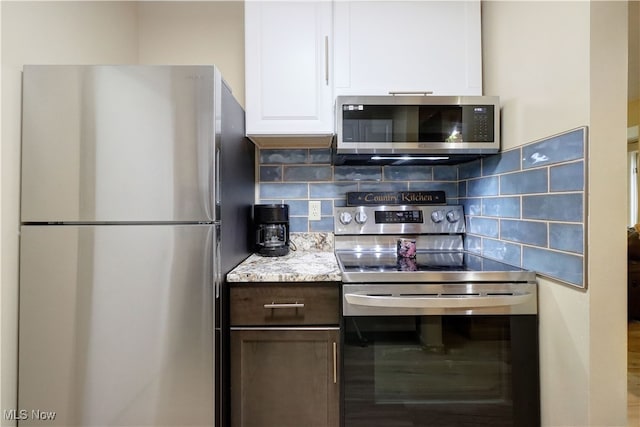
column 411, row 92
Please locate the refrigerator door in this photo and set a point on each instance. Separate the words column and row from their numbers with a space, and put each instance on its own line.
column 116, row 325
column 119, row 143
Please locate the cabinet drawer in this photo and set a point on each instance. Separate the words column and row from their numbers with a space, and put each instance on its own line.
column 298, row 304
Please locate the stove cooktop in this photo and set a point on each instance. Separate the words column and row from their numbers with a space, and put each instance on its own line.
column 426, row 267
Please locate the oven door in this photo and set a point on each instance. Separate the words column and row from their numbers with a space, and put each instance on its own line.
column 442, row 367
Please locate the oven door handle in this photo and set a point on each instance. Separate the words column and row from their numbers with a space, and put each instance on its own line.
column 438, row 301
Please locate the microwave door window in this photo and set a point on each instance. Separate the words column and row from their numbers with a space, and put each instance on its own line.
column 376, row 130
column 440, row 124
column 380, row 124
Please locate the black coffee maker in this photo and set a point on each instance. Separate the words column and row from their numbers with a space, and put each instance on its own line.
column 271, row 223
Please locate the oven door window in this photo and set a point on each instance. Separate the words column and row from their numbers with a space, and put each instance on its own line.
column 440, row 370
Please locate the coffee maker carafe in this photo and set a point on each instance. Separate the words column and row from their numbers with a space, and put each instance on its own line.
column 271, row 224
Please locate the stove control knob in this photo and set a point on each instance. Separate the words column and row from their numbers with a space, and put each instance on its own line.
column 453, row 216
column 361, row 217
column 345, row 218
column 437, row 216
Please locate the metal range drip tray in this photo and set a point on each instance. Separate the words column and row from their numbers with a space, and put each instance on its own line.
column 426, row 267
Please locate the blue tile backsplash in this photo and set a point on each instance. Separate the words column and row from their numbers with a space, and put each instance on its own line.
column 524, row 206
column 535, row 218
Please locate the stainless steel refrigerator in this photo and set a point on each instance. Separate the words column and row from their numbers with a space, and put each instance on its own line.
column 137, row 185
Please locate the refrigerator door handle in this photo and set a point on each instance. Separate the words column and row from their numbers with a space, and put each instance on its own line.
column 217, row 274
column 217, row 187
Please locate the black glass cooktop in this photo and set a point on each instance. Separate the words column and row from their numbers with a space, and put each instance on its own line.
column 453, row 266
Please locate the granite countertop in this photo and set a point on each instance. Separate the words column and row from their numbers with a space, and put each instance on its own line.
column 312, row 261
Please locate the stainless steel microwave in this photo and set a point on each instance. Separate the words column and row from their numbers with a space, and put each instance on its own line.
column 429, row 127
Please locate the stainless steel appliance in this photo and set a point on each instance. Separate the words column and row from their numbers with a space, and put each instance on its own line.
column 415, row 129
column 271, row 224
column 445, row 338
column 127, row 232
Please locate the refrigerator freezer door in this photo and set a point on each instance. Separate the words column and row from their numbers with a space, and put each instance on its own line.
column 119, row 143
column 116, row 325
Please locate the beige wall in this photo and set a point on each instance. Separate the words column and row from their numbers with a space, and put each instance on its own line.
column 88, row 32
column 195, row 33
column 634, row 64
column 557, row 66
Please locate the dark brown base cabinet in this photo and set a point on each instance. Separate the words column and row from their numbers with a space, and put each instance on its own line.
column 284, row 355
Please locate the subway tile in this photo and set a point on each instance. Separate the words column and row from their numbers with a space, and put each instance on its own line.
column 280, row 156
column 490, row 264
column 408, row 173
column 326, row 208
column 445, row 173
column 307, row 173
column 270, row 173
column 298, row 207
column 554, row 207
column 357, row 173
column 383, row 186
column 502, row 251
column 508, row 161
column 566, row 237
column 505, row 207
column 298, row 224
column 483, row 187
column 569, row 177
column 462, row 188
column 473, row 261
column 473, row 243
column 325, row 224
column 469, row 170
column 292, row 191
column 533, row 181
column 330, row 190
column 487, row 227
column 471, row 206
column 529, row 232
column 497, row 226
column 559, row 265
column 320, row 155
column 450, row 188
column 557, row 149
column 270, row 201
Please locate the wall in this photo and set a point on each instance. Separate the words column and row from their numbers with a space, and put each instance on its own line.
column 200, row 32
column 550, row 62
column 634, row 64
column 297, row 176
column 525, row 206
column 82, row 32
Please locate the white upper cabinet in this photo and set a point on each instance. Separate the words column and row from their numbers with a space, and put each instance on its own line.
column 288, row 51
column 415, row 46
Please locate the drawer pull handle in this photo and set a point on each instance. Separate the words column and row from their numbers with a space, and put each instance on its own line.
column 335, row 363
column 284, row 305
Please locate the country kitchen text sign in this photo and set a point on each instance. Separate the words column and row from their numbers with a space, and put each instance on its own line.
column 359, row 198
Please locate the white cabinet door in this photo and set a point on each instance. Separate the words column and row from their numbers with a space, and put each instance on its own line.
column 383, row 46
column 287, row 68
